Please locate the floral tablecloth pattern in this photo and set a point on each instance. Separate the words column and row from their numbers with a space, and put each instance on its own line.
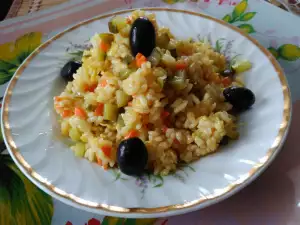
column 23, row 203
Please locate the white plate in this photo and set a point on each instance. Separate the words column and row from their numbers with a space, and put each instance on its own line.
column 29, row 125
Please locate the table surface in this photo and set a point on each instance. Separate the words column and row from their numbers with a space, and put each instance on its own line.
column 272, row 199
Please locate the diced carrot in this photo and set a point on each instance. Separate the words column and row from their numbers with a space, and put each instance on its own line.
column 164, row 129
column 129, row 20
column 176, row 142
column 226, row 81
column 57, row 107
column 104, row 46
column 92, row 87
column 105, row 167
column 106, row 150
column 57, row 99
column 213, row 130
column 99, row 161
column 132, row 64
column 181, row 66
column 67, row 113
column 60, row 98
column 140, row 59
column 86, row 87
column 103, row 83
column 165, row 114
column 99, row 110
column 80, row 113
column 132, row 133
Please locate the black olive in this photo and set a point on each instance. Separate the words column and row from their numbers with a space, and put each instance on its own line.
column 225, row 140
column 142, row 37
column 228, row 72
column 241, row 98
column 69, row 69
column 132, row 156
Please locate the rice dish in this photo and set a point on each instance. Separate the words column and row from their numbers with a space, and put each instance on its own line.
column 173, row 101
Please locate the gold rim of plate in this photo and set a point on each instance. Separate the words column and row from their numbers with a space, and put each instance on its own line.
column 245, row 179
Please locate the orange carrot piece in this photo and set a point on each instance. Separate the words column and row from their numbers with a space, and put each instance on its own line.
column 213, row 130
column 165, row 114
column 60, row 98
column 129, row 20
column 226, row 81
column 103, row 83
column 99, row 161
column 92, row 87
column 80, row 113
column 132, row 133
column 105, row 167
column 176, row 142
column 99, row 110
column 164, row 129
column 67, row 113
column 181, row 66
column 106, row 150
column 104, row 46
column 140, row 59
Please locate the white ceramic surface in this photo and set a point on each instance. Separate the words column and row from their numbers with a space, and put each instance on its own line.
column 30, row 130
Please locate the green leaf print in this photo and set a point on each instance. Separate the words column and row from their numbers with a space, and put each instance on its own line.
column 248, row 28
column 5, row 205
column 274, row 52
column 227, row 18
column 239, row 9
column 5, row 66
column 21, row 202
column 4, row 77
column 247, row 16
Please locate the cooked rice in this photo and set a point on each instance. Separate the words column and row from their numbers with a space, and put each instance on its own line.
column 198, row 119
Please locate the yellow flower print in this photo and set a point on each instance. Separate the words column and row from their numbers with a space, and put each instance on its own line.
column 288, row 52
column 14, row 53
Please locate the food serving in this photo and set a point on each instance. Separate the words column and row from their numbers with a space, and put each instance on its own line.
column 142, row 99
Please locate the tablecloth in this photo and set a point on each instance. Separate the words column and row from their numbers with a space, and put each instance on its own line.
column 273, row 199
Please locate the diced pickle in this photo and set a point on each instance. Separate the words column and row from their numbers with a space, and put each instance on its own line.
column 74, row 134
column 125, row 31
column 178, row 82
column 112, row 27
column 128, row 59
column 116, row 24
column 161, row 81
column 124, row 74
column 163, row 40
column 155, row 57
column 102, row 56
column 122, row 98
column 110, row 112
column 65, row 126
column 107, row 37
column 79, row 149
column 120, row 121
column 242, row 66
